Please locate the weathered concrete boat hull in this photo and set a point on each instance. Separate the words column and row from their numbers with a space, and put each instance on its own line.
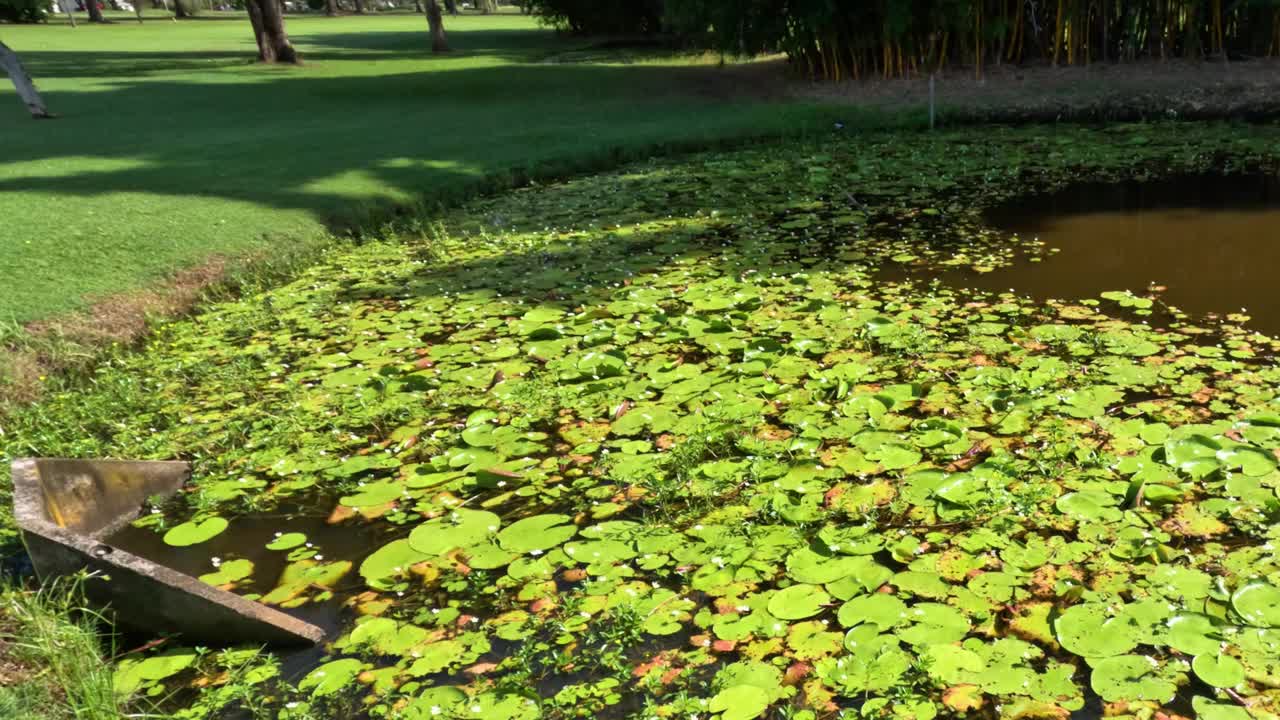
column 66, row 508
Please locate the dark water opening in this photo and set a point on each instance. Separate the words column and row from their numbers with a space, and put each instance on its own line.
column 247, row 537
column 1212, row 241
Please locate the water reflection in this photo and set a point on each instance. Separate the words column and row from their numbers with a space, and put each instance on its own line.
column 1212, row 240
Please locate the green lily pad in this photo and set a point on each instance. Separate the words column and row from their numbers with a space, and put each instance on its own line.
column 740, row 702
column 1090, row 631
column 1207, row 709
column 331, row 677
column 1258, row 603
column 798, row 602
column 885, row 611
column 194, row 533
column 376, row 493
column 537, row 534
column 287, row 541
column 1126, row 678
column 390, row 561
column 132, row 674
column 1194, row 634
column 1218, row 670
column 1089, row 505
column 435, row 702
column 458, row 529
column 229, row 572
column 934, row 624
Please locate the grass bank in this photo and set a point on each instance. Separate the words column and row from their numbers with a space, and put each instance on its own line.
column 55, row 663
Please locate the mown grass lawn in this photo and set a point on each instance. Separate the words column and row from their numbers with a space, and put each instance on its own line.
column 173, row 146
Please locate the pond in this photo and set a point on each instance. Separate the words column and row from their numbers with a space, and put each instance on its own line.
column 1204, row 243
column 662, row 443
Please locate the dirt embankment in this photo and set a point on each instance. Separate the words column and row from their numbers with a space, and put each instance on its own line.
column 1148, row 90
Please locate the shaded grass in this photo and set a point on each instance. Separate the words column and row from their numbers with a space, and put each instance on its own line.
column 52, row 660
column 173, row 146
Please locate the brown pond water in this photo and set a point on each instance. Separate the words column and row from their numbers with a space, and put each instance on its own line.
column 1212, row 240
column 247, row 537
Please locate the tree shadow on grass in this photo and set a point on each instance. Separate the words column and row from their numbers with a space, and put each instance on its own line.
column 45, row 64
column 502, row 44
column 142, row 174
column 315, row 43
column 326, row 144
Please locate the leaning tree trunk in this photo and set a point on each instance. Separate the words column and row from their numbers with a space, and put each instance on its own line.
column 22, row 83
column 95, row 12
column 259, row 34
column 268, row 29
column 435, row 21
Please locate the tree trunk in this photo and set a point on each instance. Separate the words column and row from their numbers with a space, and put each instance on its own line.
column 359, row 7
column 179, row 9
column 268, row 29
column 330, row 7
column 451, row 6
column 22, row 83
column 435, row 21
column 95, row 12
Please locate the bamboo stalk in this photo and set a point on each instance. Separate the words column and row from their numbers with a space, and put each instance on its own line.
column 1217, row 21
column 977, row 41
column 1057, row 35
column 860, row 39
column 1017, row 30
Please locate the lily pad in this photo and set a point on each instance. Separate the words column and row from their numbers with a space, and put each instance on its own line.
column 132, row 674
column 798, row 602
column 885, row 611
column 287, row 541
column 331, row 677
column 1126, row 678
column 740, row 702
column 229, row 572
column 458, row 529
column 1218, row 670
column 195, row 532
column 1258, row 603
column 537, row 534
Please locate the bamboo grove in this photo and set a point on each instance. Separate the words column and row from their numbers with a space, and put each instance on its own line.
column 850, row 39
